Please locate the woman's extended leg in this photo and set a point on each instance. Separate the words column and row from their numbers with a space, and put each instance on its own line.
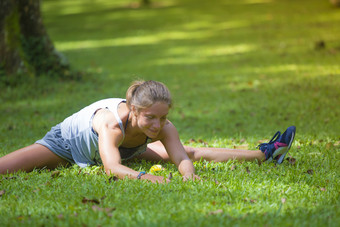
column 223, row 154
column 157, row 152
column 29, row 158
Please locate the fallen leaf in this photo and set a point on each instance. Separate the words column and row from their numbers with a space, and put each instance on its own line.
column 110, row 209
column 233, row 167
column 113, row 178
column 86, row 200
column 10, row 178
column 192, row 141
column 96, row 208
column 20, row 218
column 291, row 161
column 310, row 171
column 232, row 111
column 250, row 200
column 329, row 146
column 215, row 212
column 2, row 192
column 319, row 45
column 106, row 210
column 55, row 174
column 202, row 141
column 213, row 203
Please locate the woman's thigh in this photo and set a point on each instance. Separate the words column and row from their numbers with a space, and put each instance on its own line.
column 29, row 158
column 155, row 152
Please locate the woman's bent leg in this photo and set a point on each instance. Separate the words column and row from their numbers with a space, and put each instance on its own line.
column 29, row 158
column 156, row 152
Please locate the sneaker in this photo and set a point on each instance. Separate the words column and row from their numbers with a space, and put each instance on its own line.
column 279, row 145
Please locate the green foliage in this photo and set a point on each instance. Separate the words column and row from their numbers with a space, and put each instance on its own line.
column 238, row 71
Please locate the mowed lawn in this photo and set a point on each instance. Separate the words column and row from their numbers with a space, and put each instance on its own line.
column 238, row 71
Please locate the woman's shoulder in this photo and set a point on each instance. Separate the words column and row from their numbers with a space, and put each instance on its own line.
column 104, row 118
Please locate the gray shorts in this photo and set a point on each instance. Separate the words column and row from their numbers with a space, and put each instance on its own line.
column 54, row 141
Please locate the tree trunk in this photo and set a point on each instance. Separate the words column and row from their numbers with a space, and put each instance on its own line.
column 25, row 47
column 146, row 2
column 335, row 2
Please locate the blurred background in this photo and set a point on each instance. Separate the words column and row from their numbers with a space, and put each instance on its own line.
column 237, row 70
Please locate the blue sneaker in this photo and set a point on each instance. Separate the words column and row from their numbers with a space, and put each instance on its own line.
column 279, row 145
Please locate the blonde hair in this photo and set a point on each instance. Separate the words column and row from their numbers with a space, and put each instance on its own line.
column 143, row 94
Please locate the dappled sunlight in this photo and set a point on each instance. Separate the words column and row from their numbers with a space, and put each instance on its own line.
column 232, row 24
column 131, row 41
column 73, row 7
column 89, row 44
column 177, row 61
column 224, row 25
column 314, row 70
column 188, row 55
column 257, row 1
column 209, row 51
column 230, row 49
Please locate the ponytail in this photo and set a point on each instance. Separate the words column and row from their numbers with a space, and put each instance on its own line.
column 143, row 94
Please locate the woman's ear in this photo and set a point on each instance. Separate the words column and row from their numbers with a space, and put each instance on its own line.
column 134, row 110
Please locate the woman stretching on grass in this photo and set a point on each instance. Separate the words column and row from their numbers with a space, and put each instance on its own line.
column 111, row 130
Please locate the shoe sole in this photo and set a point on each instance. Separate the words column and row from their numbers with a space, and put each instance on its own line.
column 280, row 160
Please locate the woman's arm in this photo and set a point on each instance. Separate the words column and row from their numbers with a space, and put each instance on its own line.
column 176, row 151
column 110, row 137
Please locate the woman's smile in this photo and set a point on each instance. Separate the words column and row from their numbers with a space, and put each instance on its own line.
column 152, row 119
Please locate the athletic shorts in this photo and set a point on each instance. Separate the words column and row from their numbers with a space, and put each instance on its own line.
column 54, row 141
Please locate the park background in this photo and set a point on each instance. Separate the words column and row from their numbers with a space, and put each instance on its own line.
column 238, row 72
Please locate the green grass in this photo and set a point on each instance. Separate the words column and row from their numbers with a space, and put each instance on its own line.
column 238, row 71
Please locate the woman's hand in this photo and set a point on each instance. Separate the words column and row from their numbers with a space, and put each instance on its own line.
column 155, row 179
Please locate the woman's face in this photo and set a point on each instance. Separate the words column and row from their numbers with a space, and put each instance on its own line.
column 151, row 120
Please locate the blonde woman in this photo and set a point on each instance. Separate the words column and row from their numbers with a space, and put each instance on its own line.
column 111, row 130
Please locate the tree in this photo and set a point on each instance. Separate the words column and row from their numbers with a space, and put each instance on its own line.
column 25, row 47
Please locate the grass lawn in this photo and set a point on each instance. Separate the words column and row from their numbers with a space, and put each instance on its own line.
column 238, row 72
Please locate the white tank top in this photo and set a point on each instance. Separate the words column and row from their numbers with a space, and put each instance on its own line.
column 78, row 132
